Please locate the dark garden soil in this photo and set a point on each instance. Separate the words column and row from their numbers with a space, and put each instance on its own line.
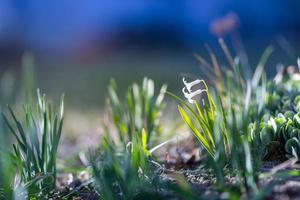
column 273, row 183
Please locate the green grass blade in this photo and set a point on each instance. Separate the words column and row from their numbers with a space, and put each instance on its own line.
column 189, row 122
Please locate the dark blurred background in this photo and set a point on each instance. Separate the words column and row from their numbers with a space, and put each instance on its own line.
column 79, row 44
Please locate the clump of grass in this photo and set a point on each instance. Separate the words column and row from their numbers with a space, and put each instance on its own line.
column 236, row 84
column 141, row 108
column 219, row 133
column 201, row 121
column 124, row 173
column 120, row 175
column 221, row 118
column 133, row 174
column 8, row 95
column 36, row 142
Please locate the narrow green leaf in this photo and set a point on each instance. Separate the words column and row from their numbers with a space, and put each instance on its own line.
column 189, row 122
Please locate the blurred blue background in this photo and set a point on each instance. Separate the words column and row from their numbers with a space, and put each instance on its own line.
column 79, row 44
column 66, row 27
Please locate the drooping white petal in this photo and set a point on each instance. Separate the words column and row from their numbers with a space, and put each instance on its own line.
column 190, row 96
column 191, row 84
column 187, row 90
column 186, row 93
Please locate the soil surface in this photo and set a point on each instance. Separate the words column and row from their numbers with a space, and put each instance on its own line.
column 274, row 182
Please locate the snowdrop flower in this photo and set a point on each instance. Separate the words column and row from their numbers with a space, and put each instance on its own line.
column 187, row 90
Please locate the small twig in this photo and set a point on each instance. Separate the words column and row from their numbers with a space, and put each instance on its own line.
column 279, row 167
column 283, row 165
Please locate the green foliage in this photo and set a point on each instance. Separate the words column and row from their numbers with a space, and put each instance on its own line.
column 222, row 124
column 119, row 175
column 234, row 105
column 239, row 157
column 241, row 96
column 6, row 169
column 132, row 174
column 236, row 84
column 292, row 147
column 36, row 142
column 243, row 157
column 140, row 109
column 8, row 96
column 281, row 131
column 277, row 130
column 240, row 121
column 224, row 137
column 278, row 98
column 201, row 121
